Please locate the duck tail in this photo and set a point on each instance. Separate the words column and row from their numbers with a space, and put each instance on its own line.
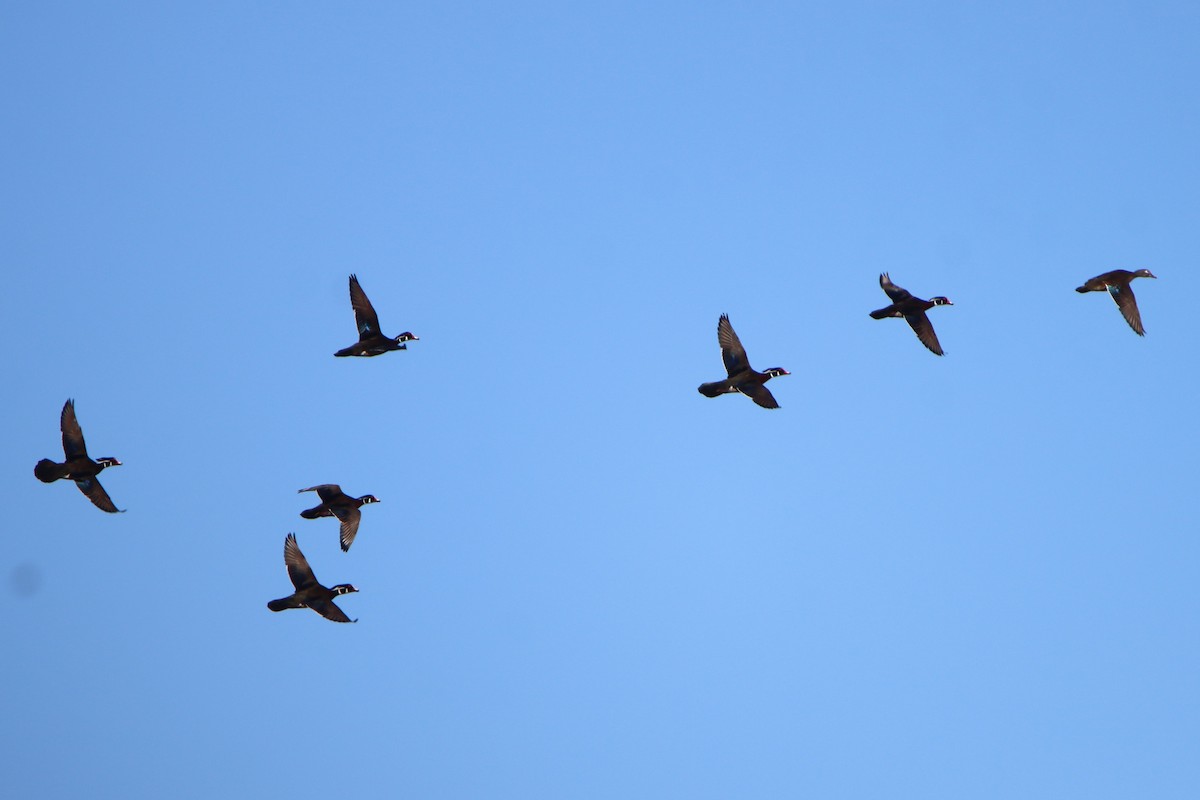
column 284, row 603
column 47, row 471
column 881, row 313
column 714, row 389
column 1082, row 289
column 311, row 513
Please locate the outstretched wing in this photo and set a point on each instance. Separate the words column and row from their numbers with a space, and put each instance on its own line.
column 72, row 434
column 326, row 491
column 297, row 565
column 350, row 517
column 732, row 352
column 1128, row 305
column 95, row 492
column 893, row 291
column 328, row 610
column 759, row 394
column 924, row 330
column 364, row 313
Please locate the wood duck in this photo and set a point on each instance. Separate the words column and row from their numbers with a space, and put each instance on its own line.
column 913, row 310
column 742, row 377
column 371, row 341
column 1116, row 283
column 78, row 467
column 309, row 593
column 336, row 503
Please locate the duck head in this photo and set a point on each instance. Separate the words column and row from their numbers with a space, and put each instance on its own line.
column 368, row 498
column 342, row 588
column 941, row 301
column 775, row 372
column 406, row 337
column 1144, row 273
column 108, row 461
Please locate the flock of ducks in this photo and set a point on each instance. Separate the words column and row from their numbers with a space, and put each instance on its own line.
column 741, row 378
column 309, row 592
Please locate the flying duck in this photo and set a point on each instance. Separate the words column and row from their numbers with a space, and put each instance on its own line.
column 78, row 467
column 309, row 593
column 371, row 341
column 336, row 503
column 913, row 310
column 742, row 377
column 1116, row 283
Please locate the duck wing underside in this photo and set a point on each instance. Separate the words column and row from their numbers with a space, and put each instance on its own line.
column 92, row 489
column 921, row 325
column 297, row 565
column 72, row 434
column 732, row 352
column 328, row 492
column 893, row 291
column 1127, row 302
column 350, row 517
column 759, row 394
column 328, row 610
column 364, row 313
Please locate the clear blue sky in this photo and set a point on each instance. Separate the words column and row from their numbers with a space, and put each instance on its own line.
column 972, row 576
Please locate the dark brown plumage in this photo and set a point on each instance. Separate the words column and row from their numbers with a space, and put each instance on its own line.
column 336, row 503
column 741, row 376
column 371, row 341
column 78, row 467
column 309, row 593
column 1117, row 283
column 912, row 309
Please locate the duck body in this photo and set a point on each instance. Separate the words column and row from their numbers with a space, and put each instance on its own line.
column 371, row 341
column 1116, row 283
column 336, row 503
column 912, row 310
column 78, row 466
column 373, row 346
column 741, row 377
column 309, row 592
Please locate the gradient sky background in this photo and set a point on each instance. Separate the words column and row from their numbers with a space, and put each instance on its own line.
column 972, row 576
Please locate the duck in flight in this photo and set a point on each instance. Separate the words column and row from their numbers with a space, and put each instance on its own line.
column 78, row 466
column 912, row 309
column 1117, row 283
column 371, row 341
column 336, row 503
column 309, row 592
column 741, row 376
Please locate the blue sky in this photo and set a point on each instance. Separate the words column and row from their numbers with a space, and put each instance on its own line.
column 962, row 577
